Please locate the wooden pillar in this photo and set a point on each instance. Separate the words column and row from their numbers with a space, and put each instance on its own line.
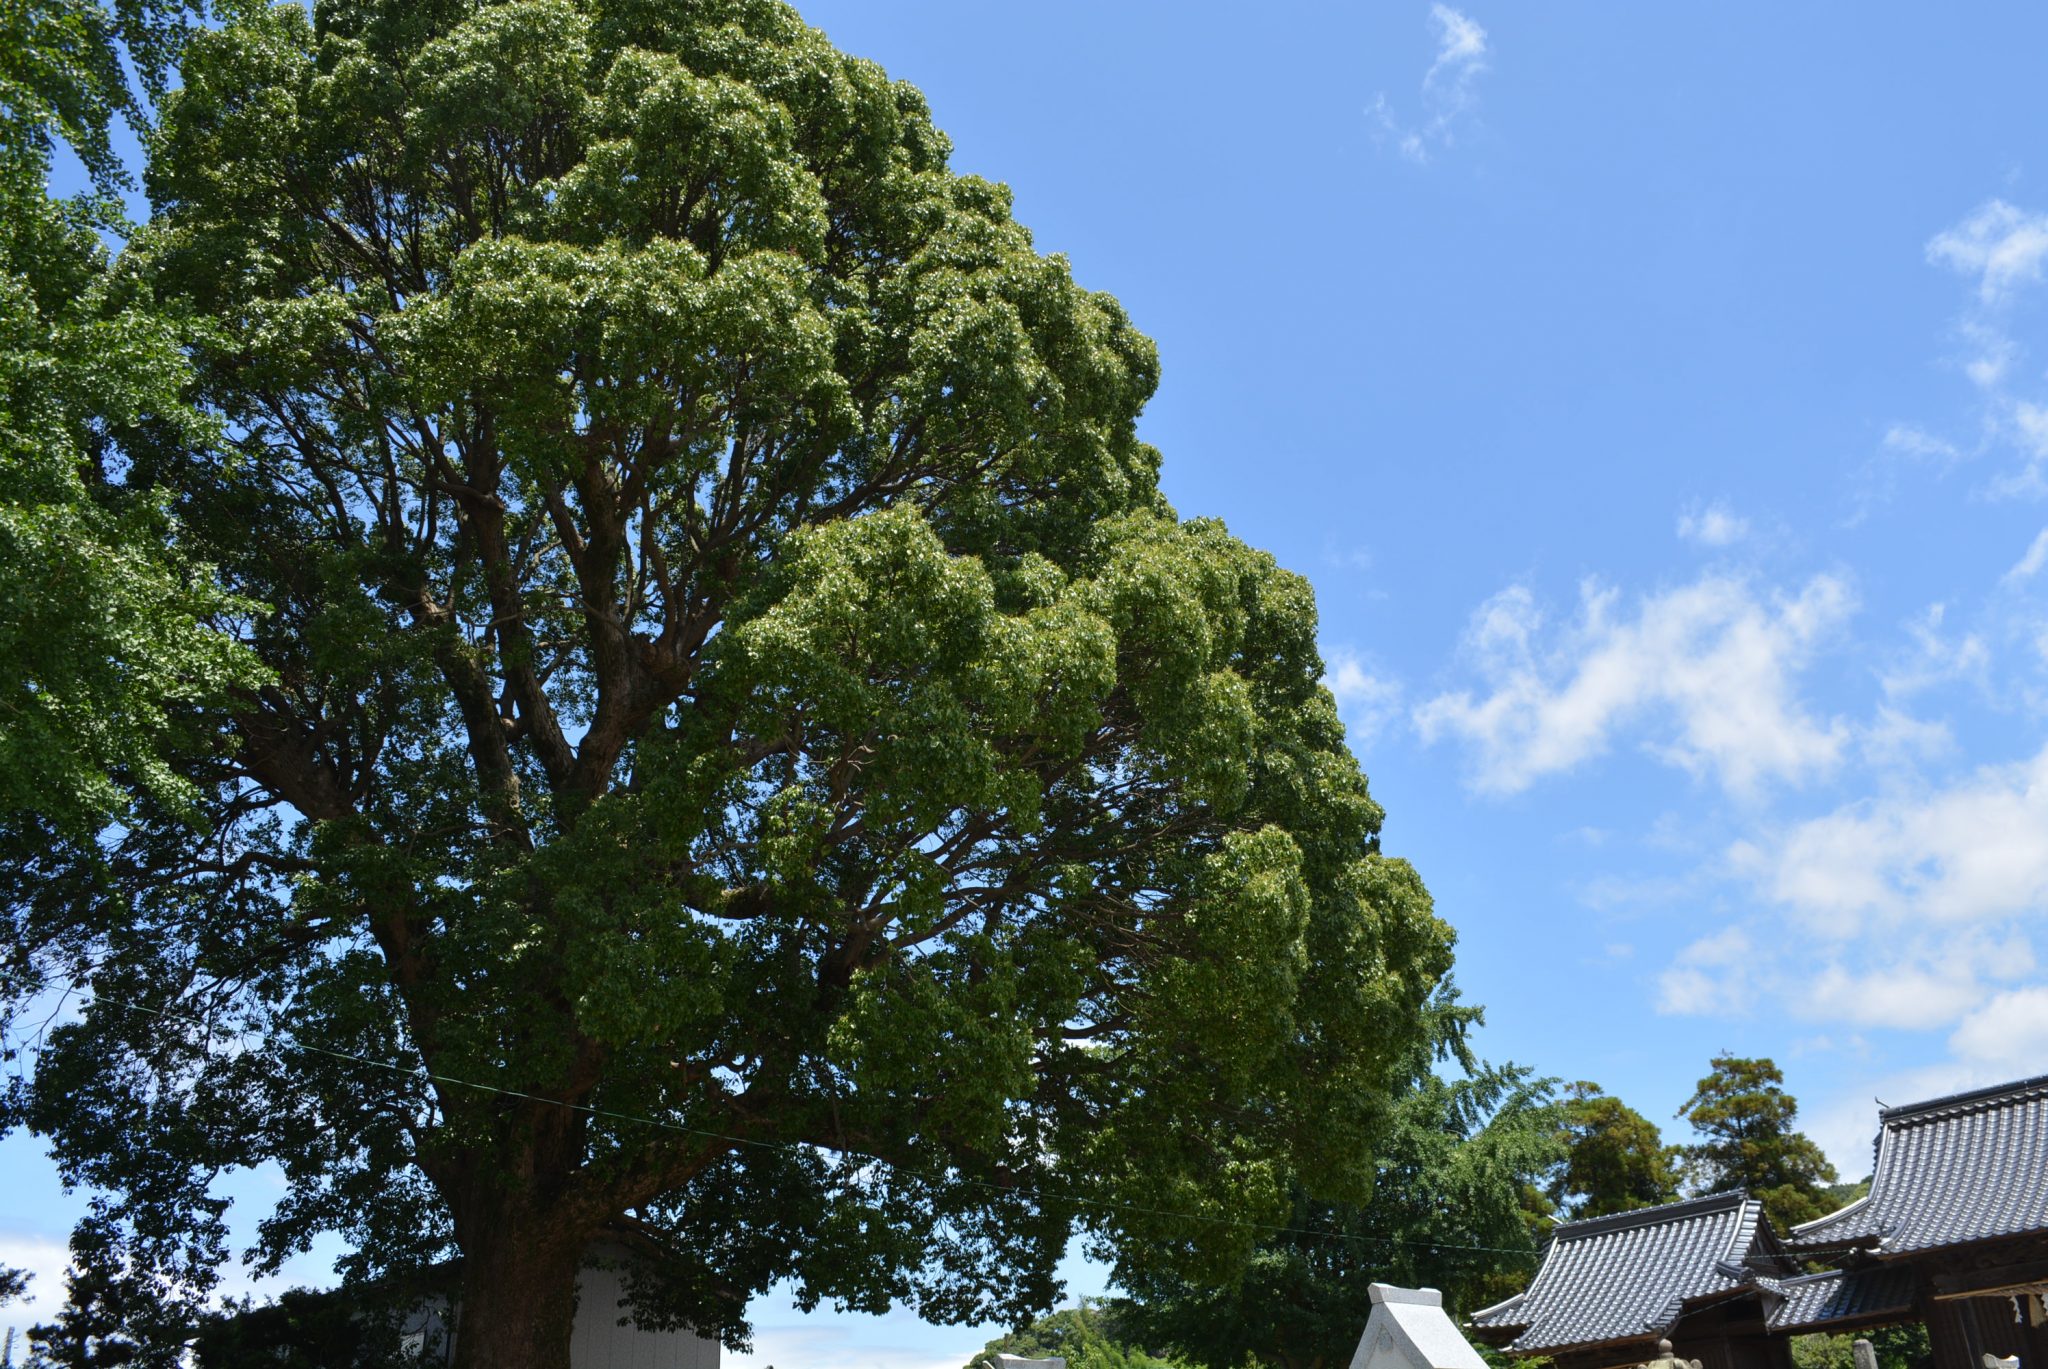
column 1952, row 1332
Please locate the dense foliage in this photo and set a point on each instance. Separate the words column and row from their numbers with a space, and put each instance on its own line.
column 1744, row 1120
column 1454, row 1207
column 107, row 624
column 645, row 685
column 1615, row 1158
column 1904, row 1346
column 1089, row 1336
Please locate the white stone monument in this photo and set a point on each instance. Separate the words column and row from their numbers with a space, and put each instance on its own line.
column 1408, row 1329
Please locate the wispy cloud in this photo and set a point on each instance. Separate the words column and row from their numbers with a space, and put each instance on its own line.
column 1367, row 698
column 2001, row 251
column 1974, row 852
column 1908, row 439
column 2003, row 246
column 1916, row 911
column 1715, row 525
column 2008, row 1032
column 1448, row 89
column 1933, row 656
column 2029, row 565
column 1705, row 674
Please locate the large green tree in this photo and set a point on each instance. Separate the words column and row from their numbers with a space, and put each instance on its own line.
column 109, row 629
column 1615, row 1158
column 746, row 760
column 1746, row 1140
column 1450, row 1209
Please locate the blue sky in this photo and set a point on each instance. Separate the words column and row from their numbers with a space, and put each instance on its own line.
column 1656, row 397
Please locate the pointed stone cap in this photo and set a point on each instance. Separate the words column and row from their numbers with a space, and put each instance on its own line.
column 1409, row 1330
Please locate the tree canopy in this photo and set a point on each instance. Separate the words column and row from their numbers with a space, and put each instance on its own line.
column 1744, row 1119
column 1454, row 1206
column 108, row 627
column 676, row 709
column 1615, row 1159
column 1088, row 1336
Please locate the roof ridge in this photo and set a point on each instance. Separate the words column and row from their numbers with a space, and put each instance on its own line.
column 1649, row 1216
column 1977, row 1097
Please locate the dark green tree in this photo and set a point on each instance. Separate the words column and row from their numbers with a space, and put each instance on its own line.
column 1449, row 1210
column 1089, row 1336
column 745, row 760
column 112, row 633
column 1903, row 1346
column 1744, row 1120
column 1615, row 1158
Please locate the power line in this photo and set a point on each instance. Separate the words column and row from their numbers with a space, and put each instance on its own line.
column 1014, row 1190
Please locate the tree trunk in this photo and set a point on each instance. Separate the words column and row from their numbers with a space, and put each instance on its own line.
column 518, row 1296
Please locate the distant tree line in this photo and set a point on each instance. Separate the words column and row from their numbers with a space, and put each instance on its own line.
column 1481, row 1162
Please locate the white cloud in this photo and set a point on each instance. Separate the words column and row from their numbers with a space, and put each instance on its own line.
column 1910, row 440
column 1975, row 852
column 1990, row 354
column 1934, row 659
column 2029, row 565
column 2008, row 1032
column 2002, row 246
column 2031, row 420
column 2002, row 252
column 1916, row 911
column 1708, row 670
column 1448, row 93
column 46, row 1260
column 1844, row 1121
column 1716, row 525
column 1895, row 741
column 1714, row 976
column 1918, row 984
column 1892, row 978
column 1366, row 700
column 1461, row 48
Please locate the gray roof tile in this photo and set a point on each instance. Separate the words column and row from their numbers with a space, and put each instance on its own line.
column 1614, row 1278
column 1968, row 1167
column 1813, row 1302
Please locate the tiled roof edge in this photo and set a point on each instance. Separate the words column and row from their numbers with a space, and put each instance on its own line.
column 1649, row 1216
column 1504, row 1305
column 1805, row 1232
column 1970, row 1098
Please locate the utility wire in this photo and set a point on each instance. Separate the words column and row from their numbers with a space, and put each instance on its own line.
column 1014, row 1190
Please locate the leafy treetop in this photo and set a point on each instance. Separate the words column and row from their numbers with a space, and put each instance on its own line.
column 1744, row 1119
column 729, row 718
column 1615, row 1159
column 1454, row 1206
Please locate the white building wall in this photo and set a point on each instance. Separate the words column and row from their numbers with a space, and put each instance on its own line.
column 599, row 1342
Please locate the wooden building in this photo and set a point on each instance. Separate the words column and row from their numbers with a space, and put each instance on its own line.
column 1954, row 1233
column 1611, row 1288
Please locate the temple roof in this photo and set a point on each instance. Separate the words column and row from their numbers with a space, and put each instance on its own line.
column 1630, row 1275
column 1968, row 1167
column 1815, row 1302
